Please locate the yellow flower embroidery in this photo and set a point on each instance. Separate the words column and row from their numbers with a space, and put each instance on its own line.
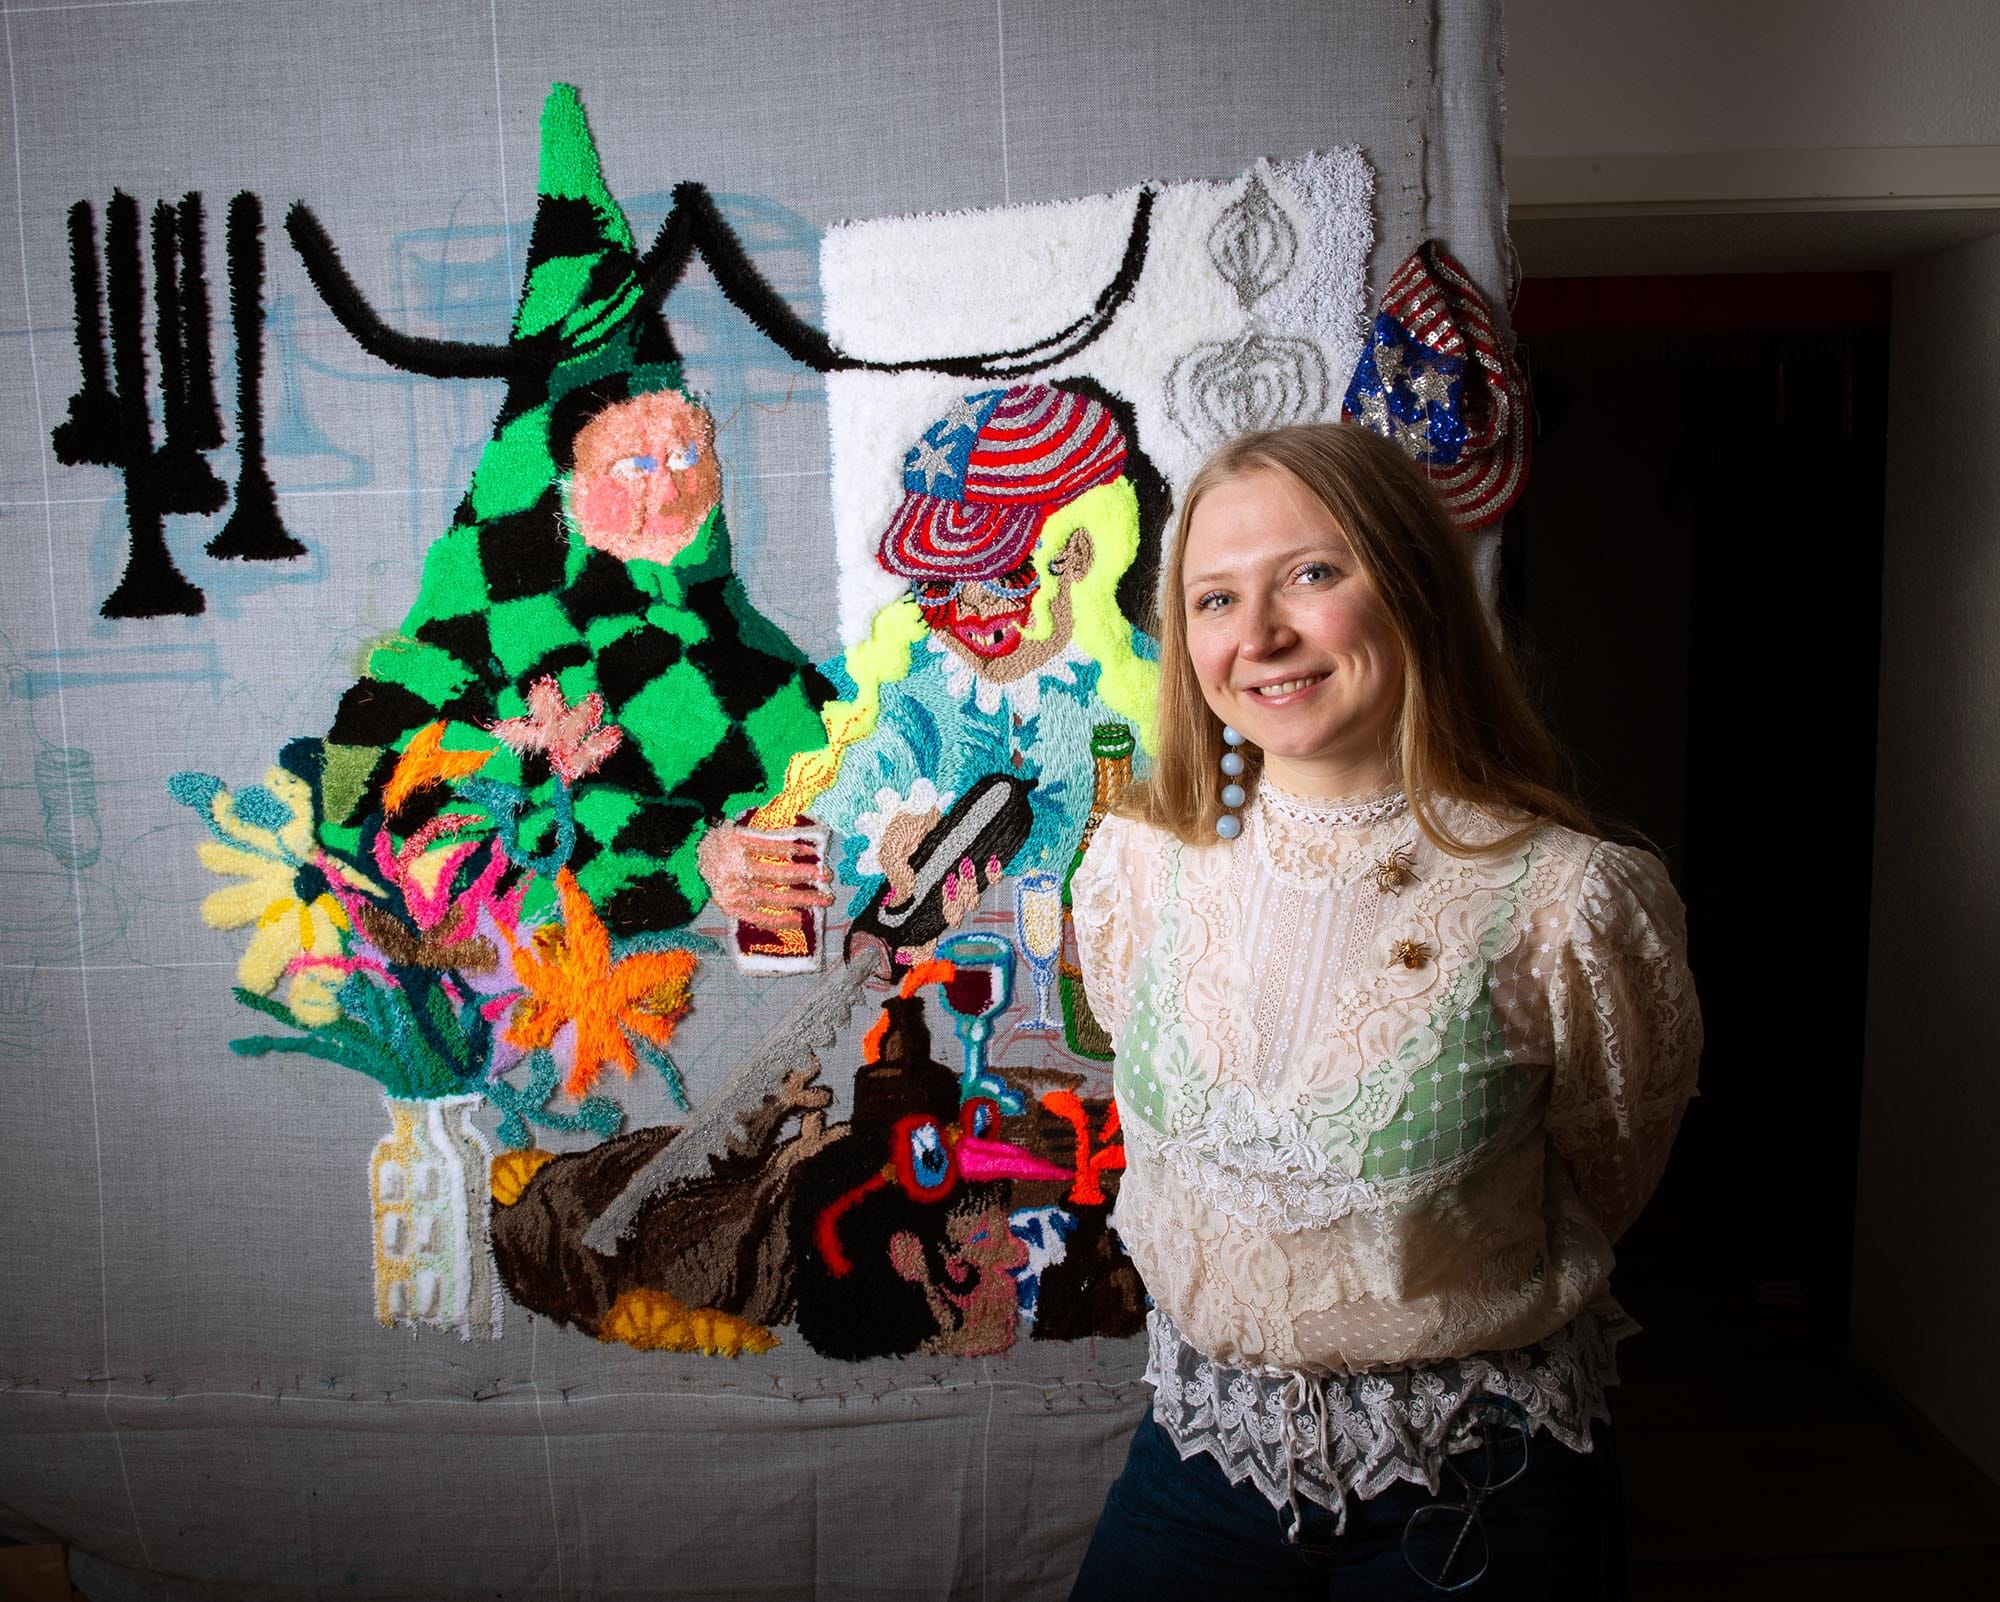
column 284, row 894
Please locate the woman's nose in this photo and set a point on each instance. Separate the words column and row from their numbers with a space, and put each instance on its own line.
column 1263, row 630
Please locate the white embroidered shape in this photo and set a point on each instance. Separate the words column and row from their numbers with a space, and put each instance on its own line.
column 1022, row 696
column 430, row 1184
column 924, row 797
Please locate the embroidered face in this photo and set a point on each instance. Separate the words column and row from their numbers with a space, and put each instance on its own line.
column 984, row 621
column 972, row 1294
column 983, row 1253
column 645, row 477
column 1288, row 638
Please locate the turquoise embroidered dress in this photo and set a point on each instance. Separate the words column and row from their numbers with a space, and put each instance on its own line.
column 1379, row 1119
column 942, row 729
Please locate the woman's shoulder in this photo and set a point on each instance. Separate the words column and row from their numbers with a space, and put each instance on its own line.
column 1121, row 839
column 1586, row 864
column 1617, row 893
column 1110, row 887
column 1484, row 826
column 1125, row 865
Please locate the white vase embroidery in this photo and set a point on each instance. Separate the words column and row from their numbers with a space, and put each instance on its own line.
column 430, row 1180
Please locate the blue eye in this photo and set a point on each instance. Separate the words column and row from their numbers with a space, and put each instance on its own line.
column 1214, row 601
column 633, row 466
column 930, row 1162
column 685, row 457
column 1315, row 573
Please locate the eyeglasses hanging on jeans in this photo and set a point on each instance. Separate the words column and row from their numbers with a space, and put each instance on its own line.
column 1445, row 1543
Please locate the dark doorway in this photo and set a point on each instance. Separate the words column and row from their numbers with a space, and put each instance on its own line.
column 1694, row 576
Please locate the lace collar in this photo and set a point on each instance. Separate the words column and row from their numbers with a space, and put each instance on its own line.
column 1327, row 844
column 1340, row 812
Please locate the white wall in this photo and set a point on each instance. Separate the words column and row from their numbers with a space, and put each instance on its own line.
column 1927, row 1252
column 1592, row 77
column 1706, row 106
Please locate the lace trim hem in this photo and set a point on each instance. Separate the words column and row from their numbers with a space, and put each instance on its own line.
column 1324, row 1437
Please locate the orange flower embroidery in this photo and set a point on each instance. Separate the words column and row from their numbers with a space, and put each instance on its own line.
column 572, row 982
column 426, row 762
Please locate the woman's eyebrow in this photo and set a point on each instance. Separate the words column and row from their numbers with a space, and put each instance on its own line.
column 1318, row 548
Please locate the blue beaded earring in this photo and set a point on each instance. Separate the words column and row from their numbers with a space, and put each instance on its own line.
column 1229, row 825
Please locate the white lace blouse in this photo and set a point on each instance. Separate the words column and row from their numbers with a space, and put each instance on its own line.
column 1382, row 1106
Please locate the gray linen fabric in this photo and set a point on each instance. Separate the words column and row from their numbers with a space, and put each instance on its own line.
column 193, row 1391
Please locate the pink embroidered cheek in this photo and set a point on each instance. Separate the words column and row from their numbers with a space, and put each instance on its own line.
column 660, row 538
column 605, row 511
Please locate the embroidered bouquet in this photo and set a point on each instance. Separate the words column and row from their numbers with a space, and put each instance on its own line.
column 460, row 961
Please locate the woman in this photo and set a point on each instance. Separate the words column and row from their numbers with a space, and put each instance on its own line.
column 1400, row 1052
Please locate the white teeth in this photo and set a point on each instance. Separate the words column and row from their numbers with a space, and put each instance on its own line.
column 1288, row 686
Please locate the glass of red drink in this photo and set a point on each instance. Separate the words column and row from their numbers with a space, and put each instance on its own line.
column 979, row 990
column 783, row 939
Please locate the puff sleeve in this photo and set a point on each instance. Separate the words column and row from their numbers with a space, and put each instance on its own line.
column 1627, row 1033
column 1101, row 903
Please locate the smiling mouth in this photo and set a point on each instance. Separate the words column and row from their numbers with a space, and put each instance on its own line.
column 989, row 636
column 1288, row 687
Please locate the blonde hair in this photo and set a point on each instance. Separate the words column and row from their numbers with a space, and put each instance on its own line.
column 1465, row 730
column 1126, row 682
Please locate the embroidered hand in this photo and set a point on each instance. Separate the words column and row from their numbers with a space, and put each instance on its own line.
column 961, row 891
column 902, row 833
column 745, row 872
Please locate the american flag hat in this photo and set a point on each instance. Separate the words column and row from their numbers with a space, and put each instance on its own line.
column 1436, row 379
column 982, row 479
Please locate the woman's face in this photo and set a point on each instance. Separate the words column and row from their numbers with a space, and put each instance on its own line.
column 645, row 477
column 1288, row 638
column 984, row 618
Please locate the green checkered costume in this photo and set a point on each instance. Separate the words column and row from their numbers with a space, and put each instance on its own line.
column 712, row 697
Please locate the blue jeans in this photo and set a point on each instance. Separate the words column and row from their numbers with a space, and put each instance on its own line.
column 1173, row 1530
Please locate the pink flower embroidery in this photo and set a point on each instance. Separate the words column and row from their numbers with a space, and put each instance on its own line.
column 576, row 739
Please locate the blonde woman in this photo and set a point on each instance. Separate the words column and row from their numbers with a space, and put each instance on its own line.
column 1401, row 1049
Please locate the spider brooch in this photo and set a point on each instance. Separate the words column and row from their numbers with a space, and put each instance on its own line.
column 1410, row 953
column 1393, row 871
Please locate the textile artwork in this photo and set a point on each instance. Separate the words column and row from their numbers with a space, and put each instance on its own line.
column 479, row 885
column 565, row 647
column 1438, row 379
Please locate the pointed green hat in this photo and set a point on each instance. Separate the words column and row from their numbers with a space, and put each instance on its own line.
column 582, row 309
